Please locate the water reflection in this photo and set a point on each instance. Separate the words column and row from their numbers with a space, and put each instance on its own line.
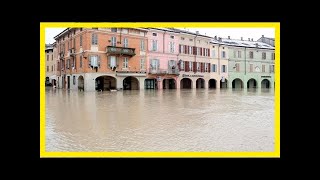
column 160, row 120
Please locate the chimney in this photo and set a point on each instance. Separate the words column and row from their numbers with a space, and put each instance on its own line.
column 220, row 39
column 248, row 39
column 215, row 37
column 228, row 37
column 241, row 38
column 262, row 35
column 251, row 39
column 197, row 32
column 256, row 44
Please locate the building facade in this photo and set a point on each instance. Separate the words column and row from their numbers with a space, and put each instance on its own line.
column 162, row 59
column 266, row 40
column 50, row 64
column 251, row 64
column 102, row 58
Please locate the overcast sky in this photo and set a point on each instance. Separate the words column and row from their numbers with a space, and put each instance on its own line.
column 234, row 33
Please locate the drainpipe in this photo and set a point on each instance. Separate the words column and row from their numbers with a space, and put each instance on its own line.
column 219, row 59
column 245, row 61
column 195, row 56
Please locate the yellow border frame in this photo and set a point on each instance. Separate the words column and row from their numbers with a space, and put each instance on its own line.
column 276, row 152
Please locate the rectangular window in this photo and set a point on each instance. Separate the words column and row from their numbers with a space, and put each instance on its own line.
column 80, row 40
column 80, row 61
column 223, row 54
column 52, row 68
column 68, row 63
column 271, row 68
column 171, row 44
column 234, row 53
column 154, row 45
column 182, row 38
column 237, row 67
column 142, row 45
column 224, row 68
column 125, row 62
column 190, row 39
column 113, row 41
column 239, row 54
column 263, row 55
column 213, row 53
column 172, row 37
column 263, row 68
column 74, row 80
column 190, row 50
column 182, row 48
column 198, row 51
column 94, row 40
column 113, row 29
column 142, row 64
column 113, row 62
column 154, row 34
column 272, row 56
column 155, row 64
column 205, row 67
column 182, row 65
column 198, row 66
column 47, row 57
column 47, row 68
column 94, row 60
column 251, row 67
column 126, row 42
column 214, row 68
column 251, row 54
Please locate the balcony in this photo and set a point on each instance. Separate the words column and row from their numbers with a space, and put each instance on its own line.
column 163, row 71
column 72, row 52
column 121, row 51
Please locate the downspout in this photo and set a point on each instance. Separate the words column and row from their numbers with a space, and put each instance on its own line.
column 195, row 55
column 219, row 59
column 245, row 61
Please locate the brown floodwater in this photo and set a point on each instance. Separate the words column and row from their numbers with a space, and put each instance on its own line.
column 160, row 120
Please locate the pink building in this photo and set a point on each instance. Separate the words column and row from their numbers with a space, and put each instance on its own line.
column 162, row 59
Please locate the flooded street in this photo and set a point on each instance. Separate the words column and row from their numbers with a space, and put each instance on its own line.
column 160, row 120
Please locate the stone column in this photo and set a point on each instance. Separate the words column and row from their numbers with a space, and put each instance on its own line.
column 120, row 82
column 194, row 83
column 177, row 83
column 206, row 84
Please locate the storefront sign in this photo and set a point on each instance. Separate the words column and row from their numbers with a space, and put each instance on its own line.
column 191, row 75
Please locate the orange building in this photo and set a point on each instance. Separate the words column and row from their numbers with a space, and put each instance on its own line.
column 101, row 58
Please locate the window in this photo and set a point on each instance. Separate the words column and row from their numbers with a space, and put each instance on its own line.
column 113, row 29
column 80, row 61
column 206, row 52
column 126, row 42
column 113, row 41
column 155, row 64
column 154, row 45
column 52, row 68
column 81, row 29
column 74, row 80
column 213, row 53
column 182, row 48
column 234, row 53
column 263, row 68
column 182, row 65
column 198, row 66
column 251, row 67
column 125, row 62
column 94, row 40
column 263, row 55
column 182, row 38
column 47, row 68
column 80, row 40
column 142, row 45
column 214, row 68
column 224, row 68
column 205, row 67
column 172, row 47
column 112, row 62
column 272, row 56
column 94, row 60
column 172, row 37
column 271, row 68
column 223, row 54
column 239, row 54
column 142, row 64
column 154, row 34
column 190, row 39
column 251, row 55
column 52, row 57
column 237, row 67
column 190, row 50
column 68, row 63
column 190, row 66
column 198, row 51
column 48, row 57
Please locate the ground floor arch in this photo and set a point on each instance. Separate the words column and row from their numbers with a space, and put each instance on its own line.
column 212, row 83
column 200, row 83
column 265, row 83
column 252, row 83
column 81, row 83
column 237, row 83
column 223, row 83
column 130, row 83
column 185, row 83
column 103, row 83
column 169, row 84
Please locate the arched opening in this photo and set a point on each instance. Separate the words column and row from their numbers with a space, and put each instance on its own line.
column 200, row 83
column 252, row 83
column 105, row 83
column 212, row 83
column 185, row 83
column 223, row 83
column 130, row 83
column 150, row 84
column 265, row 83
column 237, row 83
column 81, row 83
column 169, row 84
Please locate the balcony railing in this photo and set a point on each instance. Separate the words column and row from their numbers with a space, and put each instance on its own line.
column 120, row 51
column 163, row 71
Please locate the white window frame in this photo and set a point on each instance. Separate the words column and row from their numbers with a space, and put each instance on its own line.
column 126, row 42
column 113, row 41
column 142, row 45
column 125, row 64
column 154, row 45
column 142, row 64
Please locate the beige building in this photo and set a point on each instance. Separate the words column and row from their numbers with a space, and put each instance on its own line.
column 50, row 65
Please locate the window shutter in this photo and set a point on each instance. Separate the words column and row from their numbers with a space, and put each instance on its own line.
column 117, row 61
column 209, row 53
column 185, row 49
column 179, row 48
column 187, row 66
column 89, row 60
column 109, row 60
column 201, row 67
column 209, row 65
column 194, row 66
column 99, row 61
